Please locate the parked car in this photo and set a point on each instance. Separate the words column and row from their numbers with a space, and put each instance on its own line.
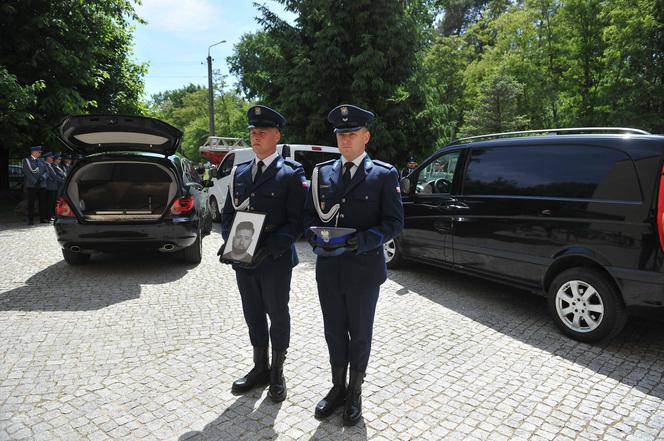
column 574, row 214
column 130, row 191
column 306, row 154
column 16, row 178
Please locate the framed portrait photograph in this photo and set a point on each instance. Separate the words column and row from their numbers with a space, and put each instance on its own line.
column 242, row 241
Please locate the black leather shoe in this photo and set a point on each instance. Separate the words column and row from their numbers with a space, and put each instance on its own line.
column 258, row 376
column 277, row 391
column 353, row 408
column 336, row 396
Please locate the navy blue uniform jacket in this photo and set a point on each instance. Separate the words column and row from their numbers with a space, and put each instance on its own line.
column 372, row 205
column 280, row 192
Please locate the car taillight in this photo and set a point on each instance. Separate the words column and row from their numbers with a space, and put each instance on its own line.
column 62, row 208
column 660, row 210
column 182, row 205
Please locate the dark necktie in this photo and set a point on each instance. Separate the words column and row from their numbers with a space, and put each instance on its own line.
column 346, row 177
column 259, row 170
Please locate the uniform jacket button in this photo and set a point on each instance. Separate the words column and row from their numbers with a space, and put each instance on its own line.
column 253, row 194
column 343, row 200
column 341, row 215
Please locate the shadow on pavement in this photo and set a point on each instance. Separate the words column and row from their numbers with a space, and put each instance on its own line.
column 106, row 280
column 332, row 429
column 523, row 316
column 240, row 421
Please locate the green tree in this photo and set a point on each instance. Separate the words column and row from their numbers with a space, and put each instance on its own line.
column 187, row 109
column 631, row 89
column 77, row 52
column 496, row 107
column 363, row 53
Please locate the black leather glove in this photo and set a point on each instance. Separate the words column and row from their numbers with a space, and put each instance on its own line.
column 352, row 243
column 311, row 238
column 220, row 253
column 260, row 255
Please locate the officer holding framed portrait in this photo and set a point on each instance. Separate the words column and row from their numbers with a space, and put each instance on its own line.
column 273, row 189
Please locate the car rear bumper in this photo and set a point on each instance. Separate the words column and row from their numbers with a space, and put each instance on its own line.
column 166, row 235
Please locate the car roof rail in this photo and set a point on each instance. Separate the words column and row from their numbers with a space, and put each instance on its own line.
column 563, row 131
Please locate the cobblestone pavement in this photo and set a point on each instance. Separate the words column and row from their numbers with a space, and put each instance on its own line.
column 143, row 347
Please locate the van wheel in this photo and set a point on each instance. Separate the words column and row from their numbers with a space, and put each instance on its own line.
column 392, row 255
column 586, row 306
column 73, row 258
column 214, row 209
column 194, row 252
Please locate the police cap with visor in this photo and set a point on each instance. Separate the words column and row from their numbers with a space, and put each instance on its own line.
column 348, row 118
column 263, row 117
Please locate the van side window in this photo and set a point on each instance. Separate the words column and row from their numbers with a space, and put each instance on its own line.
column 310, row 159
column 563, row 171
column 226, row 166
column 437, row 176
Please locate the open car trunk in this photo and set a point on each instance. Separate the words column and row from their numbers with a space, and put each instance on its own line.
column 122, row 190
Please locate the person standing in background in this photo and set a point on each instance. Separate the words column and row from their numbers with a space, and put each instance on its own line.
column 34, row 171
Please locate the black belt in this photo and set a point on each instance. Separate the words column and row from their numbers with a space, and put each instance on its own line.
column 269, row 228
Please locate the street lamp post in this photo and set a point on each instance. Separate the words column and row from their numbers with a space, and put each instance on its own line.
column 210, row 93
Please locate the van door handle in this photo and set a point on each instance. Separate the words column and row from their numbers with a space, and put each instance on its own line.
column 455, row 205
column 546, row 213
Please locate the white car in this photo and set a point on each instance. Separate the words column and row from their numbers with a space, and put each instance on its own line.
column 306, row 154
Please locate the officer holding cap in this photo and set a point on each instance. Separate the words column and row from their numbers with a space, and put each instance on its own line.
column 361, row 196
column 277, row 187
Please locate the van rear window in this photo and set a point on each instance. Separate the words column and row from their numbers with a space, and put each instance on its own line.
column 579, row 172
column 310, row 159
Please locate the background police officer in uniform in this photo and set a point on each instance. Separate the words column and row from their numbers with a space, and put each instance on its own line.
column 53, row 182
column 276, row 186
column 369, row 199
column 34, row 170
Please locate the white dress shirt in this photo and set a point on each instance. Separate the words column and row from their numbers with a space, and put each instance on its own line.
column 266, row 163
column 357, row 163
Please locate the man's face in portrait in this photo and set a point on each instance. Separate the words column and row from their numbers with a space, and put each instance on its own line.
column 242, row 240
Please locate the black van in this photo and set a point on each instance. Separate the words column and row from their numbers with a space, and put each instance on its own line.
column 130, row 191
column 575, row 214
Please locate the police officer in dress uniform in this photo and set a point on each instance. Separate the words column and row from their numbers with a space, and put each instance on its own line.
column 34, row 170
column 369, row 200
column 276, row 186
column 54, row 181
column 60, row 171
column 66, row 163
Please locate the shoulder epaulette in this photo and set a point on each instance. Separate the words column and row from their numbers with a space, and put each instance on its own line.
column 291, row 163
column 329, row 162
column 383, row 164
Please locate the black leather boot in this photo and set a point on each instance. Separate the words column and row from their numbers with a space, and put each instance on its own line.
column 336, row 396
column 277, row 391
column 258, row 376
column 353, row 408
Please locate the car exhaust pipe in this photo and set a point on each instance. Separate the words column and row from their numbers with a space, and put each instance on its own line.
column 167, row 248
column 75, row 249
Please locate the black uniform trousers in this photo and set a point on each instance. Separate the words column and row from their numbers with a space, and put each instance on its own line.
column 52, row 196
column 265, row 291
column 348, row 316
column 37, row 193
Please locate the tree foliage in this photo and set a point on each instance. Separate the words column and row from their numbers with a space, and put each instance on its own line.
column 362, row 52
column 187, row 109
column 64, row 57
